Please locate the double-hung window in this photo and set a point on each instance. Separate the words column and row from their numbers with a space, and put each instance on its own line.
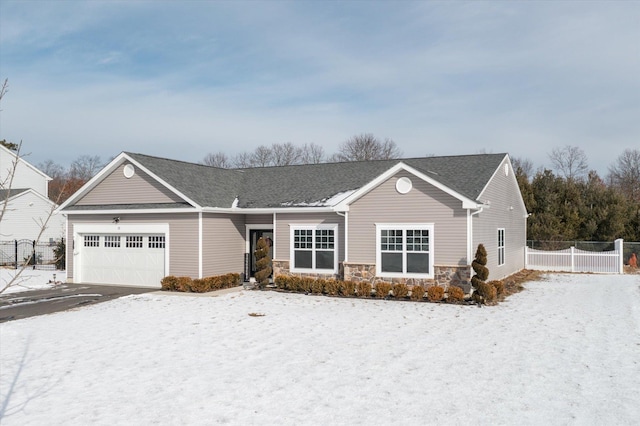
column 404, row 250
column 500, row 246
column 314, row 248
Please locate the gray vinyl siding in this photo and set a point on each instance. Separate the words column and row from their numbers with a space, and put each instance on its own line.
column 502, row 193
column 139, row 189
column 258, row 219
column 223, row 244
column 423, row 204
column 183, row 238
column 283, row 230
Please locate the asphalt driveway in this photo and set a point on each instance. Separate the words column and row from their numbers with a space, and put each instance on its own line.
column 26, row 304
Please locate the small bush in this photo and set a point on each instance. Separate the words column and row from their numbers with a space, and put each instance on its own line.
column 400, row 291
column 382, row 289
column 417, row 292
column 347, row 288
column 169, row 283
column 184, row 284
column 305, row 285
column 199, row 285
column 317, row 287
column 292, row 283
column 455, row 294
column 499, row 285
column 485, row 293
column 435, row 293
column 281, row 281
column 331, row 287
column 363, row 289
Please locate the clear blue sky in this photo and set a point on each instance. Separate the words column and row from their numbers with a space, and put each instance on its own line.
column 181, row 79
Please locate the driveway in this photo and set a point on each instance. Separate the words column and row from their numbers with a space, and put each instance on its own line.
column 26, row 304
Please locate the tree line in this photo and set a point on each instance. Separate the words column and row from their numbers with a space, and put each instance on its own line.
column 570, row 202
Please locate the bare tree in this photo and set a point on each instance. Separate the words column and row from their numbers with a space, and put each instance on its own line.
column 52, row 169
column 262, row 157
column 624, row 174
column 570, row 162
column 242, row 160
column 285, row 154
column 219, row 159
column 6, row 183
column 366, row 147
column 312, row 154
column 85, row 167
column 522, row 166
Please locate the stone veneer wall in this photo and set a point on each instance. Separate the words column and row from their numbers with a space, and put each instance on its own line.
column 281, row 267
column 443, row 276
column 358, row 272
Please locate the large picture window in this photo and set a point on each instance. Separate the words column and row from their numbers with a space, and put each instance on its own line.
column 314, row 247
column 500, row 246
column 404, row 250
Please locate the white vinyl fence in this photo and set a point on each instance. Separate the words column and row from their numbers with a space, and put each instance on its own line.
column 576, row 260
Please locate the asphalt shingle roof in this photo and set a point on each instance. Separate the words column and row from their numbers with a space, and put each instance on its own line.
column 311, row 183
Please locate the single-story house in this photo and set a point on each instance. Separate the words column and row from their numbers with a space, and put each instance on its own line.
column 415, row 220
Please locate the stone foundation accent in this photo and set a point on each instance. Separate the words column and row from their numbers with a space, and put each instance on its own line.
column 282, row 267
column 444, row 276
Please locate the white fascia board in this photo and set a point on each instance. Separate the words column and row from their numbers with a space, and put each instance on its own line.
column 511, row 172
column 126, row 211
column 266, row 210
column 36, row 193
column 26, row 163
column 467, row 203
column 109, row 168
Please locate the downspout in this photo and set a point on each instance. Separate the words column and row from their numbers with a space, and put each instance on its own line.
column 200, row 245
column 470, row 233
column 346, row 234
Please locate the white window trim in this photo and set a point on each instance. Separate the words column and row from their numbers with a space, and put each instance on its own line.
column 404, row 227
column 314, row 228
column 503, row 247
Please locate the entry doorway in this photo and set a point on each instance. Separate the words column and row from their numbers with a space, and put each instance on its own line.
column 254, row 236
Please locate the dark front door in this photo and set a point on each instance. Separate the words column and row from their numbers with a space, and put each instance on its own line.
column 254, row 236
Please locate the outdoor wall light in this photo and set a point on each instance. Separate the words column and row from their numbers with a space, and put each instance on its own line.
column 116, row 219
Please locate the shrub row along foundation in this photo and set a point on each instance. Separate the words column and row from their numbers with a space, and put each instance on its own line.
column 200, row 285
column 380, row 290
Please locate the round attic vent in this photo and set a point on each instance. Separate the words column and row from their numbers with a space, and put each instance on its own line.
column 129, row 171
column 403, row 185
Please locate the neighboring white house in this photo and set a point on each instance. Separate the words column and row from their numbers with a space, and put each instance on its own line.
column 28, row 204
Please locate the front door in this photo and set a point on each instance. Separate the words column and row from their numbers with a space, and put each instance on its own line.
column 254, row 236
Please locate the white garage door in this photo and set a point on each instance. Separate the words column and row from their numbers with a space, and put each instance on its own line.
column 131, row 259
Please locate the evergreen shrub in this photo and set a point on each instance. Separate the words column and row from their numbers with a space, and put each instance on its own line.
column 435, row 293
column 363, row 289
column 400, row 290
column 417, row 292
column 347, row 288
column 455, row 294
column 382, row 289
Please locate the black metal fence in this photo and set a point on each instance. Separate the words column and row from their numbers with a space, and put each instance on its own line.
column 18, row 253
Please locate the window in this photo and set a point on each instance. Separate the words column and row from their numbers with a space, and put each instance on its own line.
column 112, row 241
column 500, row 246
column 404, row 250
column 314, row 247
column 156, row 241
column 92, row 241
column 133, row 241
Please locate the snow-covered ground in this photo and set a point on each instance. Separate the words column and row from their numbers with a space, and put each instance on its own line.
column 564, row 351
column 30, row 279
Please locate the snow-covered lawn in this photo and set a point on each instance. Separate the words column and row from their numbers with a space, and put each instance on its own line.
column 30, row 279
column 564, row 351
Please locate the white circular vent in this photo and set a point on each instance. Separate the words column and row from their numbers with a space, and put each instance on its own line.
column 403, row 185
column 129, row 171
